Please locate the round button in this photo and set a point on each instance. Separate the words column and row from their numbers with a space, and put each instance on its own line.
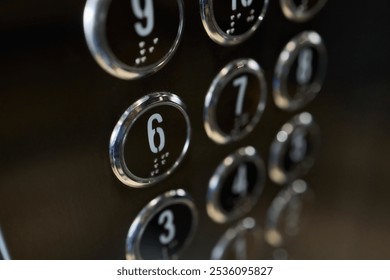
column 283, row 216
column 301, row 10
column 150, row 139
column 232, row 22
column 235, row 101
column 163, row 228
column 240, row 242
column 294, row 149
column 236, row 185
column 300, row 71
column 131, row 39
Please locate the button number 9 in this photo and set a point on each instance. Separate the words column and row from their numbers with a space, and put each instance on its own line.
column 145, row 13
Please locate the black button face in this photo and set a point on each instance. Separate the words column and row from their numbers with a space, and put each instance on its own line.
column 301, row 10
column 300, row 71
column 235, row 101
column 134, row 38
column 294, row 149
column 150, row 140
column 284, row 215
column 163, row 228
column 166, row 232
column 241, row 242
column 232, row 22
column 155, row 141
column 235, row 186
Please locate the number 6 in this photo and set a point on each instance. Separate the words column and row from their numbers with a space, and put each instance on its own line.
column 152, row 132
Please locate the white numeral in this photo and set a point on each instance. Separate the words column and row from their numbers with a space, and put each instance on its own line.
column 298, row 147
column 241, row 83
column 152, row 132
column 166, row 219
column 240, row 247
column 244, row 3
column 305, row 69
column 145, row 13
column 240, row 183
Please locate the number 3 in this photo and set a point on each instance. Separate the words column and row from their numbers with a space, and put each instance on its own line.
column 146, row 13
column 166, row 219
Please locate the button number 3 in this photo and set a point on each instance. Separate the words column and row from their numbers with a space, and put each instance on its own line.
column 166, row 219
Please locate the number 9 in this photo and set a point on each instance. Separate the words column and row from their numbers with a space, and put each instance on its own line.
column 146, row 13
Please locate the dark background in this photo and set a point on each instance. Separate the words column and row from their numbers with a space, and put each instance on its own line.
column 59, row 198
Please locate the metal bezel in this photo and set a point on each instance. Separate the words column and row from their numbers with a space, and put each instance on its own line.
column 213, row 206
column 95, row 14
column 281, row 202
column 216, row 33
column 291, row 11
column 286, row 59
column 220, row 81
column 124, row 125
column 245, row 225
column 140, row 223
column 279, row 147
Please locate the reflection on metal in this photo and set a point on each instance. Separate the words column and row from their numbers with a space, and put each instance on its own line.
column 3, row 248
column 309, row 77
column 294, row 149
column 247, row 199
column 224, row 77
column 283, row 216
column 240, row 242
column 301, row 12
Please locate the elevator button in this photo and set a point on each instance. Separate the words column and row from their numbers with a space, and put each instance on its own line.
column 294, row 149
column 235, row 185
column 232, row 22
column 150, row 140
column 300, row 71
column 284, row 215
column 131, row 39
column 301, row 10
column 163, row 228
column 235, row 101
column 240, row 242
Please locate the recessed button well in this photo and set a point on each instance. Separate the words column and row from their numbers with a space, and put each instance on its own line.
column 235, row 101
column 301, row 10
column 294, row 149
column 134, row 38
column 300, row 71
column 235, row 185
column 163, row 228
column 150, row 140
column 230, row 22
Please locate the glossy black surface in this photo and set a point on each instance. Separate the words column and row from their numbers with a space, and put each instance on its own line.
column 59, row 198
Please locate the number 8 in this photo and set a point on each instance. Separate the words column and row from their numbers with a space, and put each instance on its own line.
column 146, row 13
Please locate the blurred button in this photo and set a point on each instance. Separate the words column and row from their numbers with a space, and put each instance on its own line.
column 300, row 71
column 294, row 149
column 131, row 39
column 150, row 140
column 241, row 242
column 232, row 22
column 235, row 101
column 284, row 215
column 235, row 185
column 163, row 228
column 4, row 254
column 301, row 10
